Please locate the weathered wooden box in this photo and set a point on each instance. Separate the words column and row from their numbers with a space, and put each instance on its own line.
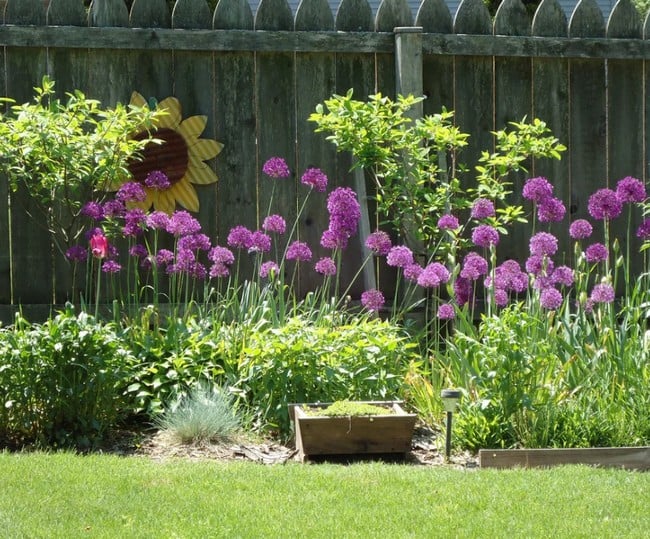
column 352, row 435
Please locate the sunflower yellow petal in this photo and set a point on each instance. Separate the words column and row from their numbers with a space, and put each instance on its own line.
column 137, row 100
column 173, row 118
column 165, row 201
column 205, row 148
column 186, row 195
column 199, row 173
column 192, row 127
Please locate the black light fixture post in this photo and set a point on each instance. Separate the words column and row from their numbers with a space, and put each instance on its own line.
column 450, row 398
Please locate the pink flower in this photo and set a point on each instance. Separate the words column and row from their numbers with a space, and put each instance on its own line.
column 99, row 246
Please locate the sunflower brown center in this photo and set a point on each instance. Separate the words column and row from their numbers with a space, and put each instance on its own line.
column 171, row 156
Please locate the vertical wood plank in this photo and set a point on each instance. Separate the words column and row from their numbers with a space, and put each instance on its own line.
column 513, row 102
column 235, row 125
column 356, row 72
column 473, row 102
column 5, row 258
column 625, row 127
column 194, row 87
column 437, row 70
column 69, row 69
column 315, row 82
column 587, row 144
column 276, row 120
column 551, row 104
column 32, row 248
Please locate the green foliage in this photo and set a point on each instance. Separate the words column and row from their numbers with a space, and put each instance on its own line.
column 61, row 152
column 364, row 359
column 60, row 382
column 391, row 146
column 205, row 414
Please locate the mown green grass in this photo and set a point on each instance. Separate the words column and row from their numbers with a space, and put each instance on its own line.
column 65, row 495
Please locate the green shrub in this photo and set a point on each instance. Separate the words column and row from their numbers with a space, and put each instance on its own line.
column 60, row 382
column 363, row 359
column 206, row 413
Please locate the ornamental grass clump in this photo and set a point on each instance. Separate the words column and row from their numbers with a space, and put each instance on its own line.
column 204, row 414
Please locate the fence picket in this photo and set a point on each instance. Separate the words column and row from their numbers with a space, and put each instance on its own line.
column 233, row 15
column 473, row 102
column 33, row 250
column 108, row 13
column 149, row 14
column 625, row 120
column 551, row 104
column 193, row 73
column 588, row 113
column 315, row 81
column 66, row 12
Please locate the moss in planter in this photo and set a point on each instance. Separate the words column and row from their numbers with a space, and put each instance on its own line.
column 349, row 408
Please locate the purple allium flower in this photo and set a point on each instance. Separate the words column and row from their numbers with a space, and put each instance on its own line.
column 298, row 250
column 185, row 260
column 602, row 293
column 315, row 178
column 218, row 270
column 485, row 236
column 379, row 243
column 630, row 189
column 412, row 272
column 111, row 266
column 239, row 237
column 131, row 192
column 260, row 242
column 482, row 209
column 539, row 265
column 181, row 223
column 158, row 220
column 462, row 290
column 446, row 311
column 331, row 239
column 276, row 167
column 433, row 275
column 399, row 256
column 197, row 271
column 580, row 229
column 551, row 210
column 326, row 266
column 138, row 251
column 643, row 231
column 542, row 244
column 550, row 298
column 221, row 255
column 563, row 275
column 77, row 253
column 474, row 265
column 596, row 252
column 373, row 299
column 164, row 257
column 500, row 297
column 275, row 223
column 157, row 180
column 344, row 210
column 537, row 189
column 114, row 208
column 135, row 221
column 195, row 242
column 604, row 204
column 269, row 268
column 448, row 222
column 509, row 277
column 94, row 210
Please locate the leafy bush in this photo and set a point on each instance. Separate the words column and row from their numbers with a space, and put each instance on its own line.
column 60, row 382
column 363, row 359
column 206, row 413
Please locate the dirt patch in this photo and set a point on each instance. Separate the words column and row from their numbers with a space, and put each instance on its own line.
column 160, row 446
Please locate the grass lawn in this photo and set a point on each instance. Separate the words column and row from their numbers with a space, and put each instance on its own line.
column 65, row 495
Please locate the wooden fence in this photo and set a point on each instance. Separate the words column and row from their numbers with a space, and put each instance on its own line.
column 258, row 76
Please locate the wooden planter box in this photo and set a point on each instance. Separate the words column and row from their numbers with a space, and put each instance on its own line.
column 352, row 435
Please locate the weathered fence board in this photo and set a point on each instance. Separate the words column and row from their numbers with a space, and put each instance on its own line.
column 257, row 79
